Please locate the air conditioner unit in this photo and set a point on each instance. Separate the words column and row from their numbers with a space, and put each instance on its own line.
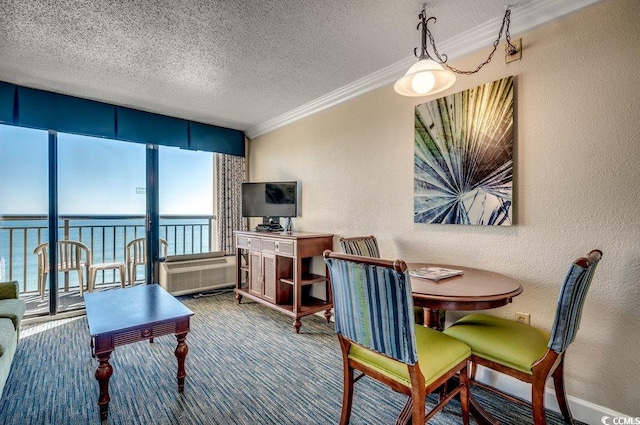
column 186, row 274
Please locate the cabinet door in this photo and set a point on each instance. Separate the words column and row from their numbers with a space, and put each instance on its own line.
column 270, row 277
column 255, row 273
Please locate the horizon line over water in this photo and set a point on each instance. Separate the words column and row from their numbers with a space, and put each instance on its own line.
column 105, row 237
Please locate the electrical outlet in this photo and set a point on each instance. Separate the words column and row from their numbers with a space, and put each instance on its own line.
column 524, row 318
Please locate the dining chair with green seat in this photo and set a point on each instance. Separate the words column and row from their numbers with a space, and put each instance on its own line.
column 367, row 246
column 373, row 309
column 525, row 352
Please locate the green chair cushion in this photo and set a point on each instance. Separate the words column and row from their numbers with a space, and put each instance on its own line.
column 437, row 353
column 12, row 309
column 8, row 290
column 503, row 341
column 7, row 335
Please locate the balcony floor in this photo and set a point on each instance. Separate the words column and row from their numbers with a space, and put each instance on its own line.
column 67, row 301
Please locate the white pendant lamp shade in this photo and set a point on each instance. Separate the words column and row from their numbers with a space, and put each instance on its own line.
column 425, row 77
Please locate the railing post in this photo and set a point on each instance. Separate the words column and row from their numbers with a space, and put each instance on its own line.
column 211, row 241
column 66, row 237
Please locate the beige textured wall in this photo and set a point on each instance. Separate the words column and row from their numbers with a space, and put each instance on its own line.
column 576, row 185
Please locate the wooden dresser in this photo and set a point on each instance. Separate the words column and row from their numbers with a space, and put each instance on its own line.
column 274, row 268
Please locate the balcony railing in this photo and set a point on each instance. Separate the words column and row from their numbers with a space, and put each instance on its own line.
column 106, row 237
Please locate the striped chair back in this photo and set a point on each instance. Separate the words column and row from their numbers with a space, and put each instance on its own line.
column 571, row 301
column 366, row 246
column 373, row 305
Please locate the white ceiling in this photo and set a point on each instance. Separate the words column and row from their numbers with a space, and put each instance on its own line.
column 248, row 65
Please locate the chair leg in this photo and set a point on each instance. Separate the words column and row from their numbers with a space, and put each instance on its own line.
column 122, row 277
column 419, row 406
column 42, row 279
column 91, row 281
column 537, row 401
column 134, row 274
column 347, row 396
column 474, row 369
column 464, row 394
column 561, row 395
column 80, row 281
column 443, row 391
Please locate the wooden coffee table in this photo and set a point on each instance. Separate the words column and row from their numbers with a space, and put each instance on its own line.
column 122, row 316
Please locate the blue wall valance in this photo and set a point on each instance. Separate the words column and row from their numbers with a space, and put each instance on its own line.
column 145, row 127
column 27, row 107
column 224, row 139
column 67, row 114
column 7, row 101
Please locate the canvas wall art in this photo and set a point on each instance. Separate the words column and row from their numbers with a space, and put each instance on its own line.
column 463, row 159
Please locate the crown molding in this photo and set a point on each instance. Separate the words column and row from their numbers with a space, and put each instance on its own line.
column 523, row 19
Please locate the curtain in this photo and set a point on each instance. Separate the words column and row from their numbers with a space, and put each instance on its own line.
column 33, row 108
column 230, row 173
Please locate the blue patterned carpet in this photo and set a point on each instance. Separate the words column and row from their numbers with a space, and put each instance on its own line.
column 245, row 366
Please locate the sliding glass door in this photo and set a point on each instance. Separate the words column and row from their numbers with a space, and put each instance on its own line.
column 24, row 213
column 102, row 205
column 186, row 200
column 93, row 197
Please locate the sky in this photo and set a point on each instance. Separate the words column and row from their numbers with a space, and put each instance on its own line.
column 99, row 176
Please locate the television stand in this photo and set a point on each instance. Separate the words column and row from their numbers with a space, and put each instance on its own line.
column 277, row 272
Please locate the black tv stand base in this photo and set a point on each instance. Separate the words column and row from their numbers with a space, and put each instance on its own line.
column 269, row 228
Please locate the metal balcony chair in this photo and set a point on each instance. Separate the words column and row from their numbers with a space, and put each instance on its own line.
column 527, row 353
column 72, row 256
column 378, row 337
column 136, row 255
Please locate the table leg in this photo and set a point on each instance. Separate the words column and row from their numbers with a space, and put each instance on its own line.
column 478, row 412
column 434, row 318
column 181, row 354
column 103, row 373
column 327, row 315
column 297, row 324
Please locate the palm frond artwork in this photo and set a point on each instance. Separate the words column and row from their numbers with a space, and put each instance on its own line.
column 463, row 160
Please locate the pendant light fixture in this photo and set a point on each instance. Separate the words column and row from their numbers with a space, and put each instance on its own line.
column 432, row 74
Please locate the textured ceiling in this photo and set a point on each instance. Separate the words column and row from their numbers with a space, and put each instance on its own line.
column 231, row 63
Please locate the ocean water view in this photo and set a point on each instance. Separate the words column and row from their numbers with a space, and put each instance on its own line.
column 101, row 193
column 106, row 238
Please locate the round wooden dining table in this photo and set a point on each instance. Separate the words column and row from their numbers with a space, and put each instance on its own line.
column 475, row 289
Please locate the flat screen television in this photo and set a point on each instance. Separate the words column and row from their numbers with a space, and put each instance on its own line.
column 270, row 200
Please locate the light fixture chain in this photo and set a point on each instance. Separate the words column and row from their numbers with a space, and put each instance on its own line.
column 441, row 58
column 506, row 21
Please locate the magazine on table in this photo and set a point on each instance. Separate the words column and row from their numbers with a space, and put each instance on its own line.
column 434, row 273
